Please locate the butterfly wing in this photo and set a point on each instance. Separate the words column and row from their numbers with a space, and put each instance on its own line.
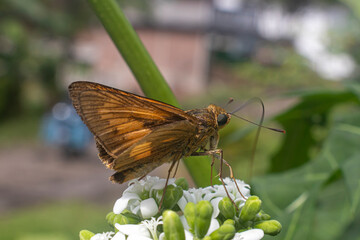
column 119, row 120
column 166, row 143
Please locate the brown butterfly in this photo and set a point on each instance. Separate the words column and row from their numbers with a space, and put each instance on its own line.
column 135, row 134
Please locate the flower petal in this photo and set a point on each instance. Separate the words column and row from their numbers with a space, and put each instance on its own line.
column 133, row 229
column 122, row 202
column 148, row 208
column 252, row 234
column 137, row 237
column 215, row 204
column 118, row 236
column 182, row 203
column 188, row 235
column 184, row 222
column 102, row 236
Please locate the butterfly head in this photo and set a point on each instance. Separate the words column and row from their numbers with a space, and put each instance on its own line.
column 222, row 117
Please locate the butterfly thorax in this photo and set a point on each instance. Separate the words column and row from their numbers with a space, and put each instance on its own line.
column 207, row 127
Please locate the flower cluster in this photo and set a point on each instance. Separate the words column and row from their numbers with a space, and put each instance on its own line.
column 203, row 213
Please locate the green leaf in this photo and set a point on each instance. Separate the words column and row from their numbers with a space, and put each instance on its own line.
column 312, row 201
column 300, row 123
column 351, row 170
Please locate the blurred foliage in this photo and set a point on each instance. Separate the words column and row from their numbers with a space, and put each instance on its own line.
column 35, row 45
column 319, row 199
column 306, row 125
column 60, row 221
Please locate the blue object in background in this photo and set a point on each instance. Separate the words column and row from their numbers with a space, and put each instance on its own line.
column 64, row 128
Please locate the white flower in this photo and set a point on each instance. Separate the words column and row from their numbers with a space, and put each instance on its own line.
column 139, row 197
column 133, row 231
column 252, row 234
column 215, row 194
column 152, row 225
column 146, row 230
column 102, row 236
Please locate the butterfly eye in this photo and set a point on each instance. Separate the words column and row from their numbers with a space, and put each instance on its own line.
column 222, row 119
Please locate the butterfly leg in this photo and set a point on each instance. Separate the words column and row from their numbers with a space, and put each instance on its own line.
column 233, row 178
column 166, row 183
column 142, row 177
column 176, row 168
column 211, row 171
column 219, row 154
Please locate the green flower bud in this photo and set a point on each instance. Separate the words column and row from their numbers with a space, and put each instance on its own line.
column 172, row 196
column 224, row 232
column 144, row 195
column 250, row 209
column 207, row 238
column 270, row 227
column 126, row 217
column 189, row 213
column 261, row 216
column 227, row 208
column 203, row 214
column 172, row 225
column 110, row 218
column 85, row 235
column 181, row 182
column 230, row 221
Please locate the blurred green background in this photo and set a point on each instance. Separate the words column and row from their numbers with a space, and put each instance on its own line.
column 301, row 58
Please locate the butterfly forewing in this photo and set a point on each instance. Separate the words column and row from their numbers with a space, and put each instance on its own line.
column 129, row 128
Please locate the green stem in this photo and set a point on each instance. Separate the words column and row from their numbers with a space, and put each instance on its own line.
column 144, row 69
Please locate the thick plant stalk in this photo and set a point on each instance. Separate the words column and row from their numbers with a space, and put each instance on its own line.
column 145, row 71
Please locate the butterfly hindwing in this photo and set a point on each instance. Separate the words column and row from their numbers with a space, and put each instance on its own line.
column 165, row 144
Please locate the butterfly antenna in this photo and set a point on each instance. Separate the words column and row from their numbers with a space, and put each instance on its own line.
column 258, row 130
column 228, row 102
column 262, row 117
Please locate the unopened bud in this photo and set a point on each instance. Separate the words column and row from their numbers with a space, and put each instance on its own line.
column 224, row 232
column 261, row 216
column 227, row 208
column 126, row 217
column 110, row 218
column 85, row 235
column 172, row 196
column 189, row 213
column 181, row 182
column 230, row 221
column 172, row 225
column 203, row 214
column 250, row 209
column 270, row 227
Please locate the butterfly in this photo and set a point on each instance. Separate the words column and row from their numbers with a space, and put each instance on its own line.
column 135, row 134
